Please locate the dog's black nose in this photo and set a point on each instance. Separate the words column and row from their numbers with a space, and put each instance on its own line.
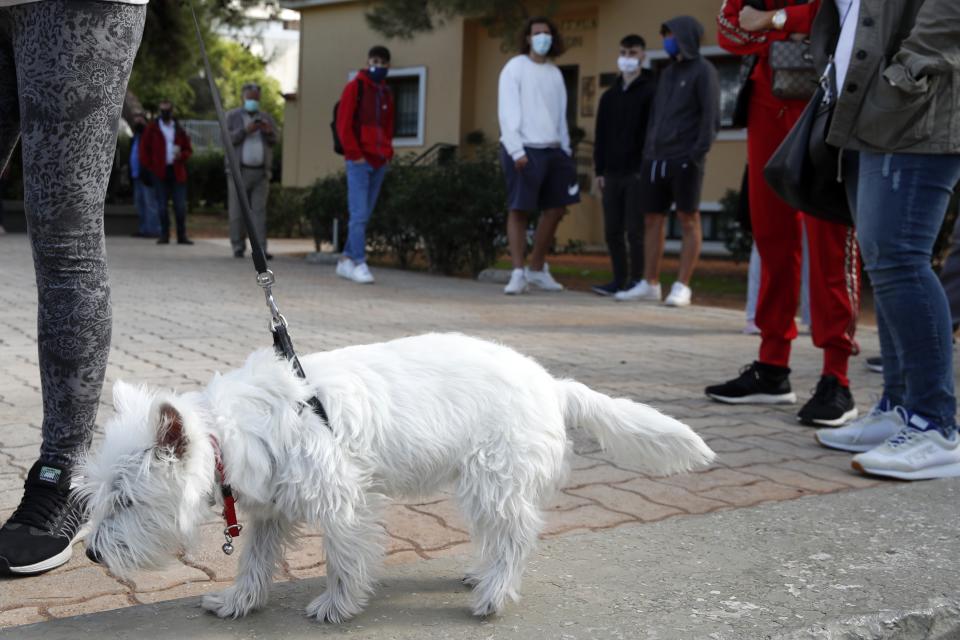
column 93, row 555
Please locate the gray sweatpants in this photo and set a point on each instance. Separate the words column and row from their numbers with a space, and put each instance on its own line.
column 64, row 66
column 257, row 187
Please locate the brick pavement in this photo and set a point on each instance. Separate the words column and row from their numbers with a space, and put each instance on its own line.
column 181, row 313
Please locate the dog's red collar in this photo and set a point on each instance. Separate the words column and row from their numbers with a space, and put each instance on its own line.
column 229, row 509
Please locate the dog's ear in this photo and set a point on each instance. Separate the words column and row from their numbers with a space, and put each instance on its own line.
column 170, row 432
column 123, row 396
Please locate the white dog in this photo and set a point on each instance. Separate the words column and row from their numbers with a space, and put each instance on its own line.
column 406, row 418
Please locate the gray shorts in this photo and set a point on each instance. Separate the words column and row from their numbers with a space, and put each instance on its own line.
column 549, row 181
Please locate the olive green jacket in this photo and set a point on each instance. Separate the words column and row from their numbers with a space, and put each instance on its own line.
column 902, row 90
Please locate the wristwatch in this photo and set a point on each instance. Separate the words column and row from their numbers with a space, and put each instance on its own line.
column 779, row 19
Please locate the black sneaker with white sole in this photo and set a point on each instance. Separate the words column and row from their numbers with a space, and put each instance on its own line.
column 831, row 405
column 875, row 364
column 40, row 534
column 758, row 383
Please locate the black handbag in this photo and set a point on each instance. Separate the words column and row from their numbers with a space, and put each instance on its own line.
column 794, row 74
column 741, row 108
column 805, row 171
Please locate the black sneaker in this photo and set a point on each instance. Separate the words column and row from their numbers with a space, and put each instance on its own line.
column 184, row 241
column 875, row 364
column 163, row 241
column 831, row 405
column 238, row 253
column 39, row 536
column 758, row 384
column 605, row 289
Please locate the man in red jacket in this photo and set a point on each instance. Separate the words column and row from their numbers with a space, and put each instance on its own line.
column 365, row 128
column 777, row 231
column 164, row 151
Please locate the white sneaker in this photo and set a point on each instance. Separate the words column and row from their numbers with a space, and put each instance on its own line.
column 361, row 274
column 542, row 279
column 751, row 328
column 872, row 430
column 642, row 291
column 680, row 295
column 517, row 284
column 345, row 268
column 918, row 452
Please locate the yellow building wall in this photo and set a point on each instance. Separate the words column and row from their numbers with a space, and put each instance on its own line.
column 334, row 41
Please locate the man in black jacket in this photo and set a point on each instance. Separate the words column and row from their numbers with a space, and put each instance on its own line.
column 618, row 152
column 684, row 121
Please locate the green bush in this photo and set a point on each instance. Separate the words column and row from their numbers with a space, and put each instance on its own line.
column 206, row 181
column 286, row 213
column 454, row 212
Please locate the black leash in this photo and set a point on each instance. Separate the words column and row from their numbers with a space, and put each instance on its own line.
column 278, row 324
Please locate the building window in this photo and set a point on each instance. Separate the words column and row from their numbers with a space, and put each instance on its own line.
column 409, row 87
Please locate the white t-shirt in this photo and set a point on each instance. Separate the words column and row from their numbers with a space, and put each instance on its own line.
column 169, row 134
column 849, row 16
column 10, row 3
column 532, row 106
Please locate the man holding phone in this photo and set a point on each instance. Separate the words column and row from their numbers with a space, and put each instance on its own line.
column 253, row 133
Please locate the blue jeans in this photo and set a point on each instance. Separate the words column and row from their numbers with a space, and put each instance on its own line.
column 165, row 188
column 901, row 201
column 146, row 202
column 363, row 187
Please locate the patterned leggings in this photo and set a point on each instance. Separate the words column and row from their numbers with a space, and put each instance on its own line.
column 64, row 66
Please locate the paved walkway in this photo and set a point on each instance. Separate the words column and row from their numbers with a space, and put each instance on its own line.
column 181, row 313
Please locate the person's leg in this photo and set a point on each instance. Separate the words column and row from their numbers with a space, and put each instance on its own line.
column 805, row 280
column 901, row 203
column 358, row 190
column 692, row 244
column 614, row 225
column 238, row 232
column 9, row 103
column 139, row 201
column 70, row 115
column 950, row 275
column 653, row 241
column 544, row 236
column 179, row 191
column 258, row 188
column 635, row 235
column 161, row 189
column 834, row 292
column 753, row 284
column 517, row 222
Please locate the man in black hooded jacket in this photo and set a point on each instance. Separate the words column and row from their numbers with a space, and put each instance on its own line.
column 683, row 125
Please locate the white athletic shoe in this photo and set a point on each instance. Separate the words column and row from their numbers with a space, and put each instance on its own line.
column 345, row 268
column 643, row 291
column 918, row 452
column 517, row 284
column 680, row 295
column 542, row 279
column 882, row 423
column 361, row 274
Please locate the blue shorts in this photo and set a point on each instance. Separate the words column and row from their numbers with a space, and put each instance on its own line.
column 549, row 181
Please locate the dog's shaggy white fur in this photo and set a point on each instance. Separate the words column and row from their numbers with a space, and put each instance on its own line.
column 407, row 418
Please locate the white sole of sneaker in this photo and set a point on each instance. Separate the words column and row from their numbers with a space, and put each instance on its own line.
column 54, row 561
column 933, row 473
column 838, row 422
column 516, row 293
column 757, row 398
column 676, row 304
column 843, row 446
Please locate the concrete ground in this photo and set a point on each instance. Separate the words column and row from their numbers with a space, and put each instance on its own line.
column 181, row 313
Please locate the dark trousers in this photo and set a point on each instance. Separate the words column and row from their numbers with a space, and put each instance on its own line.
column 168, row 188
column 622, row 219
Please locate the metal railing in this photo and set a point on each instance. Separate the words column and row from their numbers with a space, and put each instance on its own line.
column 204, row 134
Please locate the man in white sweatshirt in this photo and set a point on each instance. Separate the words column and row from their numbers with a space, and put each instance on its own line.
column 535, row 152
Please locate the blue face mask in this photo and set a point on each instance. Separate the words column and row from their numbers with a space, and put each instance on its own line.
column 377, row 74
column 671, row 47
column 252, row 106
column 541, row 43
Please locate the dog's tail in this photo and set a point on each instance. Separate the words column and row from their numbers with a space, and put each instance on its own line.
column 635, row 432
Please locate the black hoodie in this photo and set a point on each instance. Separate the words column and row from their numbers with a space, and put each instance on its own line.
column 686, row 111
column 622, row 125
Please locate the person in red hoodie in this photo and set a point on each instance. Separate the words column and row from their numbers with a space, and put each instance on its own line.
column 164, row 151
column 749, row 27
column 365, row 128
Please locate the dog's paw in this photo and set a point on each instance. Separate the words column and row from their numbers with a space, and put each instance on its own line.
column 230, row 603
column 327, row 608
column 485, row 609
column 470, row 580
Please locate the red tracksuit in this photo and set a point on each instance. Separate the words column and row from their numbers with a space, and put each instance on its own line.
column 777, row 231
